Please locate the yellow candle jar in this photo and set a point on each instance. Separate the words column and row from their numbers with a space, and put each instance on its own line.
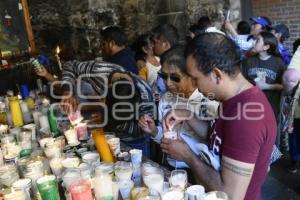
column 102, row 146
column 16, row 112
column 30, row 102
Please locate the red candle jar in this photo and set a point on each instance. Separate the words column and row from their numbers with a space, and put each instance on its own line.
column 82, row 132
column 81, row 190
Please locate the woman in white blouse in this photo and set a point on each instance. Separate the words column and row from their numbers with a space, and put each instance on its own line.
column 181, row 94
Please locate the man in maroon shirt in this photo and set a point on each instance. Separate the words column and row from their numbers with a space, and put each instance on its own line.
column 244, row 133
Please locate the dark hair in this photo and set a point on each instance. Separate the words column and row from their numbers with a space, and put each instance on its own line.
column 204, row 22
column 166, row 32
column 243, row 28
column 175, row 57
column 195, row 28
column 284, row 30
column 296, row 44
column 142, row 41
column 123, row 88
column 270, row 39
column 212, row 50
column 114, row 33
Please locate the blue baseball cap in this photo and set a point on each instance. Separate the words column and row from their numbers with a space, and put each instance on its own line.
column 261, row 20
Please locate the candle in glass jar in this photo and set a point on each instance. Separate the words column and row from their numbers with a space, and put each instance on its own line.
column 16, row 112
column 81, row 190
column 36, row 116
column 71, row 136
column 103, row 187
column 44, row 123
column 82, row 132
column 102, row 146
column 24, row 107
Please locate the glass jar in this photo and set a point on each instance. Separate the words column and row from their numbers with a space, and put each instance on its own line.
column 10, row 148
column 8, row 174
column 104, row 168
column 25, row 139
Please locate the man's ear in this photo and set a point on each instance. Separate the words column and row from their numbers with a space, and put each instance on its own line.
column 166, row 45
column 266, row 47
column 111, row 44
column 217, row 75
column 145, row 49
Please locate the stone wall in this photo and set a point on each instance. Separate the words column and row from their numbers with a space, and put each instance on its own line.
column 75, row 24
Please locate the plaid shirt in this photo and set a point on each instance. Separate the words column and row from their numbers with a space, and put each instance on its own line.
column 243, row 42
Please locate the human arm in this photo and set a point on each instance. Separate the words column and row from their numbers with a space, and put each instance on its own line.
column 230, row 29
column 177, row 116
column 44, row 73
column 266, row 86
column 234, row 177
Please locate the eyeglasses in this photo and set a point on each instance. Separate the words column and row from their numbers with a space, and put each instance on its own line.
column 173, row 77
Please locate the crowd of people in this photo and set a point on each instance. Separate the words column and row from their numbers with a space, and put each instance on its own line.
column 229, row 95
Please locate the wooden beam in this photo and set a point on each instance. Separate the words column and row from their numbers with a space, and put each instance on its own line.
column 28, row 25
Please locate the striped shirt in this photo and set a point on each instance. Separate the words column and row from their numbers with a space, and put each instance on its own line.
column 98, row 75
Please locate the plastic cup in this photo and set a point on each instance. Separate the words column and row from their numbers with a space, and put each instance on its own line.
column 136, row 157
column 125, row 188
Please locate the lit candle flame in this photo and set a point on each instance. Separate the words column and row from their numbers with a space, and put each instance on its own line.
column 57, row 50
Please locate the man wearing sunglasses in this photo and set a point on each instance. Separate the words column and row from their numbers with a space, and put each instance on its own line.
column 244, row 134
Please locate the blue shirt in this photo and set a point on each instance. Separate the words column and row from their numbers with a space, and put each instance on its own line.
column 125, row 59
column 285, row 54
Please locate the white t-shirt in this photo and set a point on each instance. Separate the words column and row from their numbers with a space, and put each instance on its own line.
column 152, row 72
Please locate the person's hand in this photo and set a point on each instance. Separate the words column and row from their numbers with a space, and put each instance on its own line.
column 68, row 103
column 176, row 117
column 96, row 118
column 177, row 149
column 147, row 124
column 262, row 85
column 44, row 73
column 228, row 25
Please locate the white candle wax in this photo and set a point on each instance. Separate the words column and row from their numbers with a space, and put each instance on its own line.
column 56, row 166
column 44, row 123
column 155, row 182
column 36, row 116
column 32, row 128
column 103, row 186
column 24, row 107
column 71, row 136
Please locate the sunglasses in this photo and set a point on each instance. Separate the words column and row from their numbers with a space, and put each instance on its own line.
column 173, row 77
